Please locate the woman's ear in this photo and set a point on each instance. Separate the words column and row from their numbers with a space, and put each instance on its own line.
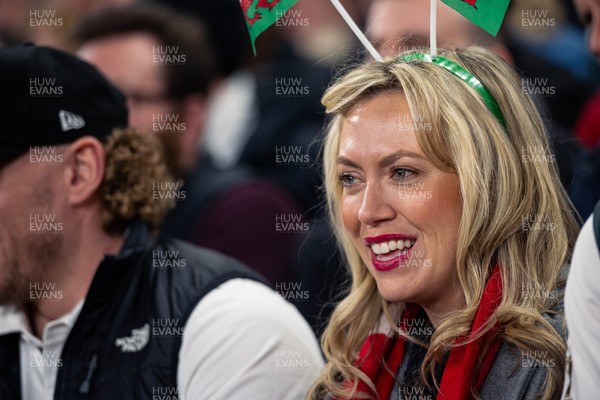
column 84, row 169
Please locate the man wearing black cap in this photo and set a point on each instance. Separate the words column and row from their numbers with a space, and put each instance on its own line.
column 91, row 305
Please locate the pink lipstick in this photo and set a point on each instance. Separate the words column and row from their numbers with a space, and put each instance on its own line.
column 389, row 251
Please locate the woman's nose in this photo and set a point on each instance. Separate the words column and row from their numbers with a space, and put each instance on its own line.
column 375, row 207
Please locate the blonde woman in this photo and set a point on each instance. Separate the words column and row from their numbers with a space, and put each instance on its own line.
column 445, row 198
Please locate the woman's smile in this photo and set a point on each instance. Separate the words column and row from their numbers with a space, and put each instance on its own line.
column 389, row 251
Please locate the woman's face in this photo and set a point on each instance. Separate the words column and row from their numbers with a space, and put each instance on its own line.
column 401, row 212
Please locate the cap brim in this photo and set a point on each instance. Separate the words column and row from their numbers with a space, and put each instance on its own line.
column 7, row 152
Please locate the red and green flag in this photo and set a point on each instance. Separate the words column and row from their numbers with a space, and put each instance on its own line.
column 261, row 14
column 487, row 14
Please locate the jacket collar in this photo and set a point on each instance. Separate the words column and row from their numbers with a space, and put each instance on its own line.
column 137, row 238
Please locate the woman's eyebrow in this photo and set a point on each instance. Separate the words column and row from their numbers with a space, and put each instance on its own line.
column 385, row 161
column 392, row 158
column 346, row 161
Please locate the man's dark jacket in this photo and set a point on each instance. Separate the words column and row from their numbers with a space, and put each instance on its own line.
column 117, row 348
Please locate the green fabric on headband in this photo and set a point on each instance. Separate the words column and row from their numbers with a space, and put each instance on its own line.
column 466, row 76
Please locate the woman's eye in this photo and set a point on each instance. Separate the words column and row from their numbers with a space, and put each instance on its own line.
column 402, row 173
column 347, row 180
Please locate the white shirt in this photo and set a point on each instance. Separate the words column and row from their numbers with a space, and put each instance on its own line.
column 226, row 134
column 582, row 313
column 40, row 359
column 242, row 341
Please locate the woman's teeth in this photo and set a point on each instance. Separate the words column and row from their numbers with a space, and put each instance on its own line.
column 386, row 247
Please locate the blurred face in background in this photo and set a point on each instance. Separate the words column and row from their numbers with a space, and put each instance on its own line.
column 396, row 25
column 589, row 13
column 127, row 60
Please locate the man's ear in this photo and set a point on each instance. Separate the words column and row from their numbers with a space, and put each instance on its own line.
column 84, row 169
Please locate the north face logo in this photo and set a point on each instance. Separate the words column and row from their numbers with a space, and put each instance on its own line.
column 136, row 342
column 69, row 121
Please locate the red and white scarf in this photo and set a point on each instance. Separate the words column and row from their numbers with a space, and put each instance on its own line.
column 462, row 361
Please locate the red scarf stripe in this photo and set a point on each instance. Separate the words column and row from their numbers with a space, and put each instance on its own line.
column 371, row 353
column 456, row 381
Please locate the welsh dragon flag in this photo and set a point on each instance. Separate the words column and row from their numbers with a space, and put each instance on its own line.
column 487, row 14
column 261, row 14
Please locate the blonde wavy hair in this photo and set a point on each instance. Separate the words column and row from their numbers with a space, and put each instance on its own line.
column 134, row 163
column 499, row 191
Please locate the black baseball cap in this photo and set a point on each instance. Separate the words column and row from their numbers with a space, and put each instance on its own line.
column 49, row 97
